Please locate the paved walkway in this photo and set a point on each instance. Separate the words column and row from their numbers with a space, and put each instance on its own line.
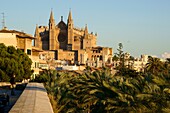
column 34, row 99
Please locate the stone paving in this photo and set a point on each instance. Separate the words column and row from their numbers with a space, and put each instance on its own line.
column 34, row 99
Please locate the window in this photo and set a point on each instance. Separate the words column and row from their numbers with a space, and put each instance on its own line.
column 101, row 58
column 33, row 42
column 22, row 50
column 28, row 51
column 36, row 65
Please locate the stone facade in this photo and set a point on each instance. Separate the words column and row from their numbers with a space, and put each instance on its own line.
column 9, row 39
column 69, row 43
column 63, row 36
column 99, row 56
column 140, row 63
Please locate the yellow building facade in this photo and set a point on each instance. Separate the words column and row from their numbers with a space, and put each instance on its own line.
column 22, row 41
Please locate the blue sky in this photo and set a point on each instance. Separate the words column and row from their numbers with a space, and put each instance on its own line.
column 143, row 26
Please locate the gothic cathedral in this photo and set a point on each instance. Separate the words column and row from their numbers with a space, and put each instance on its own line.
column 68, row 42
column 64, row 35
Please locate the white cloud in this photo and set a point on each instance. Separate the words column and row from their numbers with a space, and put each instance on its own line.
column 166, row 55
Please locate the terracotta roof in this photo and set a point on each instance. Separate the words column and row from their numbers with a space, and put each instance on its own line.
column 25, row 36
column 10, row 31
column 18, row 33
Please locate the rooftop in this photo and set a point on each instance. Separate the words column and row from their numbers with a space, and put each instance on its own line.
column 18, row 33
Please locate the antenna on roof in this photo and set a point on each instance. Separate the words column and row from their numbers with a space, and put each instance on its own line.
column 3, row 20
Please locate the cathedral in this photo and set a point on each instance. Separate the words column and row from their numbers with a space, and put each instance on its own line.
column 69, row 43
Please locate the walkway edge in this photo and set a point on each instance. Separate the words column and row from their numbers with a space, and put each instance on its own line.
column 34, row 99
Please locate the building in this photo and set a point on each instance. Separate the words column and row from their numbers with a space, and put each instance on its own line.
column 74, row 45
column 99, row 56
column 137, row 64
column 140, row 63
column 59, row 45
column 22, row 41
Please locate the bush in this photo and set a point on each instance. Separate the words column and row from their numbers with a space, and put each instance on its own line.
column 41, row 78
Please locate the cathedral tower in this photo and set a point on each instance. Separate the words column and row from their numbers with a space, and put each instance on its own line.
column 37, row 41
column 70, row 43
column 52, row 27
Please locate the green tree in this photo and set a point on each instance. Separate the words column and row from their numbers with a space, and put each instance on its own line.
column 115, row 58
column 120, row 55
column 14, row 62
column 122, row 69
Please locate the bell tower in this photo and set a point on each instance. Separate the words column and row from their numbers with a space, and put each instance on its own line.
column 70, row 43
column 52, row 41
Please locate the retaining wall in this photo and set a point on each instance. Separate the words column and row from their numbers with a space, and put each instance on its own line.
column 34, row 99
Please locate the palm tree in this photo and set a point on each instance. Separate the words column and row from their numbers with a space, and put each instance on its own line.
column 168, row 60
column 101, row 92
column 154, row 65
column 48, row 77
column 97, row 92
column 166, row 67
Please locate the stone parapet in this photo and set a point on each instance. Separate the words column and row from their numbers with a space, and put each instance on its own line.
column 34, row 99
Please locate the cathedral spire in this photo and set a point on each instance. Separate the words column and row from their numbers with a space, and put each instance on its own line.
column 51, row 21
column 70, row 33
column 36, row 31
column 51, row 16
column 37, row 41
column 69, row 17
column 86, row 32
column 70, row 21
column 86, row 29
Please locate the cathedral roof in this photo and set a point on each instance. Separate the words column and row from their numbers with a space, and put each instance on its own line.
column 62, row 25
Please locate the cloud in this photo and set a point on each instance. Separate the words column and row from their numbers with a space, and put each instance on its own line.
column 166, row 55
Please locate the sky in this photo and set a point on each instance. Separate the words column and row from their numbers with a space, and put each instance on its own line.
column 142, row 26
